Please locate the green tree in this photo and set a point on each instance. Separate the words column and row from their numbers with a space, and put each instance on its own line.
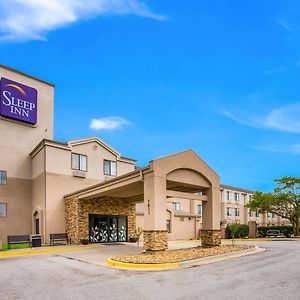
column 284, row 201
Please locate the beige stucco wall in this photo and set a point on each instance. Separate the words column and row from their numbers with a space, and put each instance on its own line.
column 60, row 181
column 17, row 195
column 17, row 141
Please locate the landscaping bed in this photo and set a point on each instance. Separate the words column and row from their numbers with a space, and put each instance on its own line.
column 178, row 255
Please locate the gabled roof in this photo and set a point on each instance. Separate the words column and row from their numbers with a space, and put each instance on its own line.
column 51, row 143
column 182, row 154
column 95, row 139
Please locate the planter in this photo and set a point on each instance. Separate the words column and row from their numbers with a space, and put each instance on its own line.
column 84, row 241
column 133, row 240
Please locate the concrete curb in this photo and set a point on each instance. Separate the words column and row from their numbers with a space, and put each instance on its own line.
column 184, row 264
column 221, row 257
column 141, row 266
column 43, row 251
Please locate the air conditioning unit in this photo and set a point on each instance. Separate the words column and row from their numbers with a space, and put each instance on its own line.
column 80, row 174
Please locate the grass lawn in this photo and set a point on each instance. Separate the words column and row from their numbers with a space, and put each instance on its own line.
column 15, row 246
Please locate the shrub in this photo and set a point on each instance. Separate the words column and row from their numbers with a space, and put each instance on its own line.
column 239, row 230
column 286, row 230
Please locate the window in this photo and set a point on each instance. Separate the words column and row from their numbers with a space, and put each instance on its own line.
column 236, row 197
column 176, row 205
column 79, row 162
column 250, row 214
column 250, row 197
column 268, row 215
column 3, row 177
column 199, row 209
column 228, row 195
column 110, row 168
column 236, row 212
column 169, row 226
column 3, row 210
column 257, row 214
column 228, row 211
column 273, row 216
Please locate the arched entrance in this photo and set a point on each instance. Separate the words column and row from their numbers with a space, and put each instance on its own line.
column 36, row 222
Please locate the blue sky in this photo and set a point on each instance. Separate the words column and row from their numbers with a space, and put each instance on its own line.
column 159, row 76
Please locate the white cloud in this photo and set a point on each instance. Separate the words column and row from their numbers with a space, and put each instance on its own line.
column 291, row 149
column 285, row 24
column 108, row 123
column 32, row 19
column 285, row 118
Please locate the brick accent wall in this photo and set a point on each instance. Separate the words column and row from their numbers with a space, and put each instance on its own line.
column 77, row 214
column 210, row 238
column 155, row 240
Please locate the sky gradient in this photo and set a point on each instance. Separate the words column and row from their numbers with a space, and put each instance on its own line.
column 156, row 77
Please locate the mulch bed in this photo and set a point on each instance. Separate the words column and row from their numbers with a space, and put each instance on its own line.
column 178, row 255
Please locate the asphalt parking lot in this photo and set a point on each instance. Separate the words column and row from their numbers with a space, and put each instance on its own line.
column 273, row 274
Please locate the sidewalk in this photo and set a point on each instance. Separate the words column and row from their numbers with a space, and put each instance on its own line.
column 45, row 250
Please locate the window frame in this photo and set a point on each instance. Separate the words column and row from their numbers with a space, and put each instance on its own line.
column 236, row 212
column 6, row 206
column 110, row 169
column 198, row 206
column 175, row 206
column 228, row 195
column 228, row 211
column 168, row 224
column 236, row 197
column 5, row 175
column 79, row 161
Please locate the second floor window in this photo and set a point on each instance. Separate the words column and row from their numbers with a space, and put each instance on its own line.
column 176, row 205
column 199, row 209
column 256, row 214
column 79, row 162
column 3, row 178
column 250, row 214
column 110, row 168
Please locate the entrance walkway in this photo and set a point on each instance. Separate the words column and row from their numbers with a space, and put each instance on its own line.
column 102, row 253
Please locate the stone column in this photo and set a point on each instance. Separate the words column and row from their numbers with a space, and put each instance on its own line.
column 252, row 229
column 211, row 231
column 155, row 231
column 72, row 219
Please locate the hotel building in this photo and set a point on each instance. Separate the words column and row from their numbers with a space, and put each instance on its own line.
column 88, row 189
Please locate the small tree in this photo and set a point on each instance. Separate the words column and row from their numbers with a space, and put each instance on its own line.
column 284, row 201
column 234, row 227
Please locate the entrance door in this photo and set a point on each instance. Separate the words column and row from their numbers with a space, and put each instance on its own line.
column 105, row 229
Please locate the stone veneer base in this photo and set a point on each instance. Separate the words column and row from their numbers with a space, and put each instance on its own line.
column 210, row 238
column 77, row 215
column 155, row 240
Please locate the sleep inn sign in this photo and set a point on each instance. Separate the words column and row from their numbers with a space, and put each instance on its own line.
column 18, row 101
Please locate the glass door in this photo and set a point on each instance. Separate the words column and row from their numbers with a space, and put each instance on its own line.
column 104, row 229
